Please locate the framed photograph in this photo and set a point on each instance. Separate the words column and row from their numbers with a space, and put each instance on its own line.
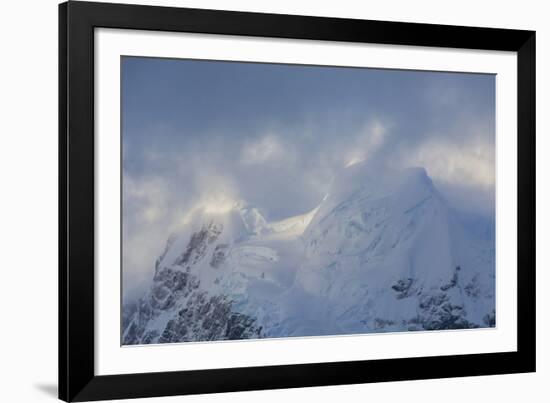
column 256, row 201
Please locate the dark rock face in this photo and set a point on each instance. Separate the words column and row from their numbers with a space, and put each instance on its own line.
column 203, row 317
column 198, row 243
column 403, row 288
column 490, row 319
column 218, row 257
column 453, row 282
column 208, row 318
column 472, row 288
column 380, row 323
column 436, row 311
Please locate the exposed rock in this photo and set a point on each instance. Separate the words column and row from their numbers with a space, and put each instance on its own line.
column 218, row 256
column 380, row 323
column 198, row 243
column 453, row 282
column 208, row 318
column 472, row 289
column 490, row 319
column 204, row 317
column 438, row 313
column 403, row 288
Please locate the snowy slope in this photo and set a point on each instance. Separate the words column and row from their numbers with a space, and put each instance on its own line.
column 382, row 252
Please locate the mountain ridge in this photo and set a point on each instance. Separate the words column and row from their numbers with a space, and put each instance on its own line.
column 382, row 252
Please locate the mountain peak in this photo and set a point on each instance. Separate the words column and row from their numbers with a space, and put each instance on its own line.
column 375, row 176
column 381, row 252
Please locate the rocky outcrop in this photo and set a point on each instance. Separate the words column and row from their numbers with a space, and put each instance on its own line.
column 198, row 243
column 194, row 314
column 207, row 318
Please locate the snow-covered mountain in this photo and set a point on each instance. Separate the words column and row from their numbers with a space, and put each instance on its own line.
column 382, row 252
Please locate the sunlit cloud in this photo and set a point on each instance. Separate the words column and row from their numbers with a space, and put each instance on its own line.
column 367, row 142
column 471, row 164
column 276, row 138
column 266, row 149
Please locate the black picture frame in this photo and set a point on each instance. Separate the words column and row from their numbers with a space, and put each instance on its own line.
column 77, row 379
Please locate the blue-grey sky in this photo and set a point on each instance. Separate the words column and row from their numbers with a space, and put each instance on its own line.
column 275, row 135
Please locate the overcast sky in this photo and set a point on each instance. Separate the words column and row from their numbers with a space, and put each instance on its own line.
column 274, row 136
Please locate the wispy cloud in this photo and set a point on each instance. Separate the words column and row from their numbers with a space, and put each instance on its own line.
column 471, row 164
column 367, row 143
column 201, row 135
column 264, row 150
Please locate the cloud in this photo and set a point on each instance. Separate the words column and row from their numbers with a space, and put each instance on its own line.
column 268, row 148
column 367, row 143
column 209, row 136
column 471, row 164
